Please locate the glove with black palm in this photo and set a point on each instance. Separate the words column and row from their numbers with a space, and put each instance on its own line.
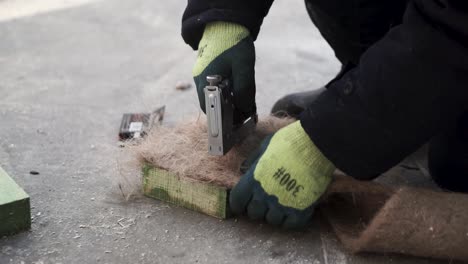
column 287, row 177
column 227, row 49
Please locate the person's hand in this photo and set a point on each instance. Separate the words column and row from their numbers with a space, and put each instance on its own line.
column 287, row 176
column 227, row 49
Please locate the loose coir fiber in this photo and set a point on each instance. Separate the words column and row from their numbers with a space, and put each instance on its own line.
column 183, row 150
column 366, row 216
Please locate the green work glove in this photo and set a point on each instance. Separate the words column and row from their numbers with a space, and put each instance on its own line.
column 227, row 49
column 287, row 177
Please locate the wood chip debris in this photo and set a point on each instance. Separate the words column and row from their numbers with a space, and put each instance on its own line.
column 183, row 85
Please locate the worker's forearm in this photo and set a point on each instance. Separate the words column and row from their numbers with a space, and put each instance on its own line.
column 406, row 88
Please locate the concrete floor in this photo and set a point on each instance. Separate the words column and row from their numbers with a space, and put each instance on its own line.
column 66, row 77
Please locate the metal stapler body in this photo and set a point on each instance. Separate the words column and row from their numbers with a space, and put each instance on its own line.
column 223, row 129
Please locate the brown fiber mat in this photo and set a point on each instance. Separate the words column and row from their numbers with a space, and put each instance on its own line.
column 369, row 217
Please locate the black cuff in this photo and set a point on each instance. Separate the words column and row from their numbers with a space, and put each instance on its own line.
column 193, row 27
column 200, row 12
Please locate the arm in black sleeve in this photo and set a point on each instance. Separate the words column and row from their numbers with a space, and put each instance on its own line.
column 200, row 12
column 407, row 87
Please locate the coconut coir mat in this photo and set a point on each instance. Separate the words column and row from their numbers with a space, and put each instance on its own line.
column 366, row 216
column 369, row 217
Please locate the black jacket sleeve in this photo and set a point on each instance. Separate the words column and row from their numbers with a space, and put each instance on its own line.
column 406, row 88
column 200, row 12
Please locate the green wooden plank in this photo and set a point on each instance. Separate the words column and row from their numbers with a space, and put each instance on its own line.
column 198, row 196
column 15, row 210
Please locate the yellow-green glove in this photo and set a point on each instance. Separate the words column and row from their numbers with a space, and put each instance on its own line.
column 227, row 49
column 288, row 176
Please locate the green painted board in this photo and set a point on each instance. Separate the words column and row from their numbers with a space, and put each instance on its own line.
column 15, row 210
column 197, row 196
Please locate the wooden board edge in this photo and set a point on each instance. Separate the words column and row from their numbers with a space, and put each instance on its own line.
column 15, row 213
column 198, row 196
column 15, row 217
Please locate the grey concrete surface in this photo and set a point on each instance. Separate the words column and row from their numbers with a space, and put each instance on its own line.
column 67, row 76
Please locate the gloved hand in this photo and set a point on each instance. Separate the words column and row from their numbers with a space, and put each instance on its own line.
column 227, row 49
column 287, row 177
